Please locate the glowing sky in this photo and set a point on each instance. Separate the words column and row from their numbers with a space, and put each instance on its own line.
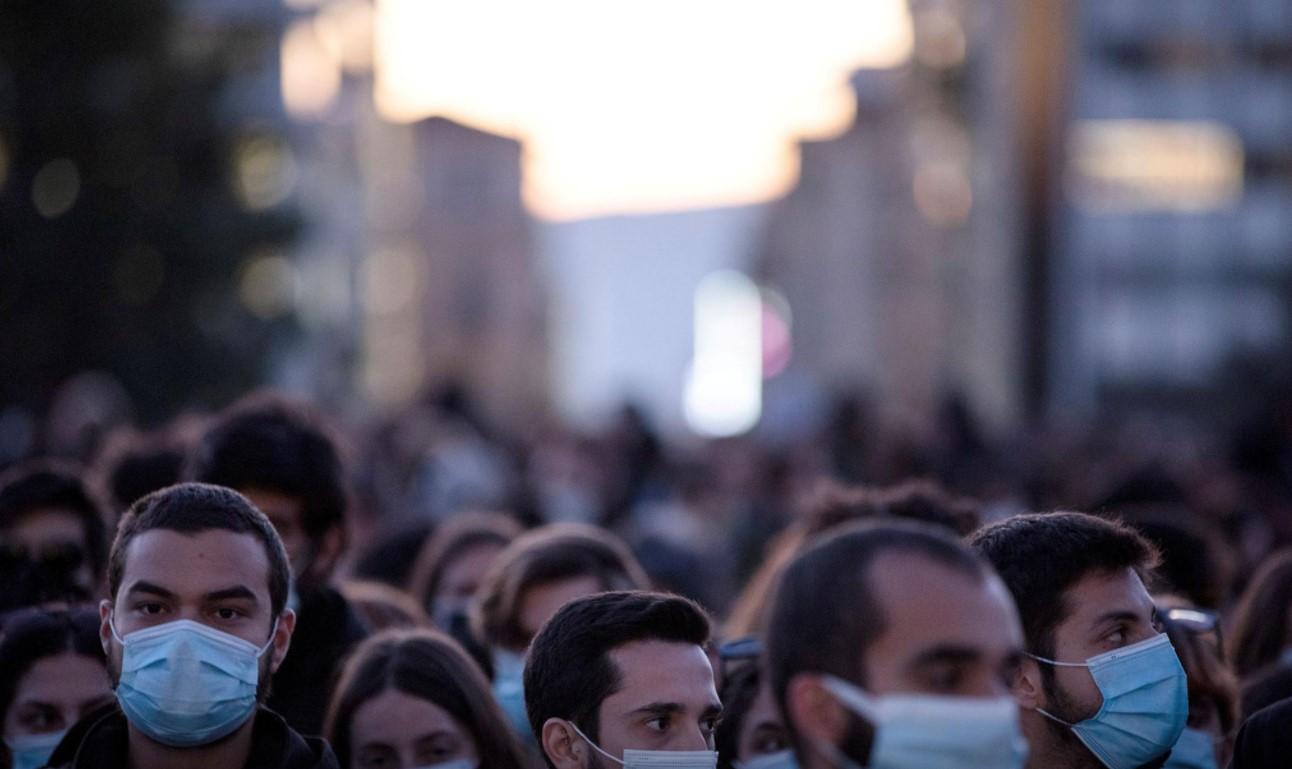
column 629, row 107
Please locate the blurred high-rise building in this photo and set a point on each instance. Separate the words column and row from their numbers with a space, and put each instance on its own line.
column 416, row 268
column 1172, row 245
column 897, row 251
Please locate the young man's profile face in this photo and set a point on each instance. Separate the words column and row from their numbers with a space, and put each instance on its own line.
column 666, row 700
column 1106, row 611
column 945, row 632
column 217, row 577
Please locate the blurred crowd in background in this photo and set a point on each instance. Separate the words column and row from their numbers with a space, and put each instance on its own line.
column 436, row 518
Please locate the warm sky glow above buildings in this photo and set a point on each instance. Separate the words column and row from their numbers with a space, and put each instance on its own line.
column 636, row 107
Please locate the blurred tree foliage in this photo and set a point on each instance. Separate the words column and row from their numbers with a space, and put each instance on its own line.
column 122, row 238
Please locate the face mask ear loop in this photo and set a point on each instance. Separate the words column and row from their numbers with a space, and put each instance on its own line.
column 594, row 745
column 273, row 631
column 1053, row 717
column 852, row 698
column 1055, row 663
column 112, row 625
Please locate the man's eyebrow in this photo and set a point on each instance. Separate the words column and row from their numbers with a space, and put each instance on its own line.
column 237, row 591
column 660, row 708
column 141, row 586
column 945, row 653
column 1116, row 615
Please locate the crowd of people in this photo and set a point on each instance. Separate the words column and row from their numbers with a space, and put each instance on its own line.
column 264, row 587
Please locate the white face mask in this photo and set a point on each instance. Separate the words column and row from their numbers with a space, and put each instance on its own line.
column 658, row 759
column 460, row 763
column 924, row 731
column 781, row 759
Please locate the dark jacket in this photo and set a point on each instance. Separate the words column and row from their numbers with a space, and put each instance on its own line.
column 326, row 629
column 1265, row 741
column 100, row 741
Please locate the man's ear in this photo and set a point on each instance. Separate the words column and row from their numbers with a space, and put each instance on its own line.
column 282, row 639
column 562, row 746
column 814, row 713
column 1027, row 687
column 105, row 626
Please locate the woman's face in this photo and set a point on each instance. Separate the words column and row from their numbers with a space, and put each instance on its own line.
column 395, row 730
column 55, row 693
column 462, row 576
column 762, row 730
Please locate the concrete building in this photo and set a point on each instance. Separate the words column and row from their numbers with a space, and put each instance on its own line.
column 897, row 251
column 1173, row 247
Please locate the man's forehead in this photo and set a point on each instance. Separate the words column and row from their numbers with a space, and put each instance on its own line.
column 652, row 672
column 925, row 603
column 1101, row 592
column 196, row 562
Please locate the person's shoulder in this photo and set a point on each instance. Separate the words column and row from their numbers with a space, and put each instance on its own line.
column 97, row 741
column 1278, row 714
column 276, row 745
column 1265, row 739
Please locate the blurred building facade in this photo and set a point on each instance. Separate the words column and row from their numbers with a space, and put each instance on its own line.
column 417, row 268
column 1173, row 247
column 898, row 250
column 482, row 308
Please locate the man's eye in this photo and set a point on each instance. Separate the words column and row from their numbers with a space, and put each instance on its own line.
column 41, row 720
column 151, row 608
column 659, row 724
column 225, row 613
column 710, row 725
column 771, row 743
column 1117, row 637
column 947, row 679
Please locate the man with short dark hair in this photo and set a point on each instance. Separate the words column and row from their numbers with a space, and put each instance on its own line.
column 195, row 625
column 623, row 678
column 1101, row 685
column 278, row 454
column 53, row 541
column 890, row 644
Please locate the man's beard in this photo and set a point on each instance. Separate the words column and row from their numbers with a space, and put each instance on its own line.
column 1061, row 705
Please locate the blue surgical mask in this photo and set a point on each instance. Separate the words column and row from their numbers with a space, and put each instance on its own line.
column 185, row 684
column 923, row 731
column 32, row 751
column 657, row 759
column 509, row 691
column 781, row 759
column 461, row 763
column 1146, row 703
column 1194, row 750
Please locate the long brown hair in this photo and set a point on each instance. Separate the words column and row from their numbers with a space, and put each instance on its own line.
column 458, row 535
column 1261, row 619
column 429, row 665
column 547, row 554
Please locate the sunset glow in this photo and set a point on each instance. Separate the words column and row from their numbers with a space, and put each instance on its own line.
column 639, row 107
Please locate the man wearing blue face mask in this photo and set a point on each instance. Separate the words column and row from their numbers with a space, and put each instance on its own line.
column 891, row 646
column 622, row 679
column 194, row 628
column 1101, row 686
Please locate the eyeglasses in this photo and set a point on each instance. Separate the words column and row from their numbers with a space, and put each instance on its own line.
column 1199, row 622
